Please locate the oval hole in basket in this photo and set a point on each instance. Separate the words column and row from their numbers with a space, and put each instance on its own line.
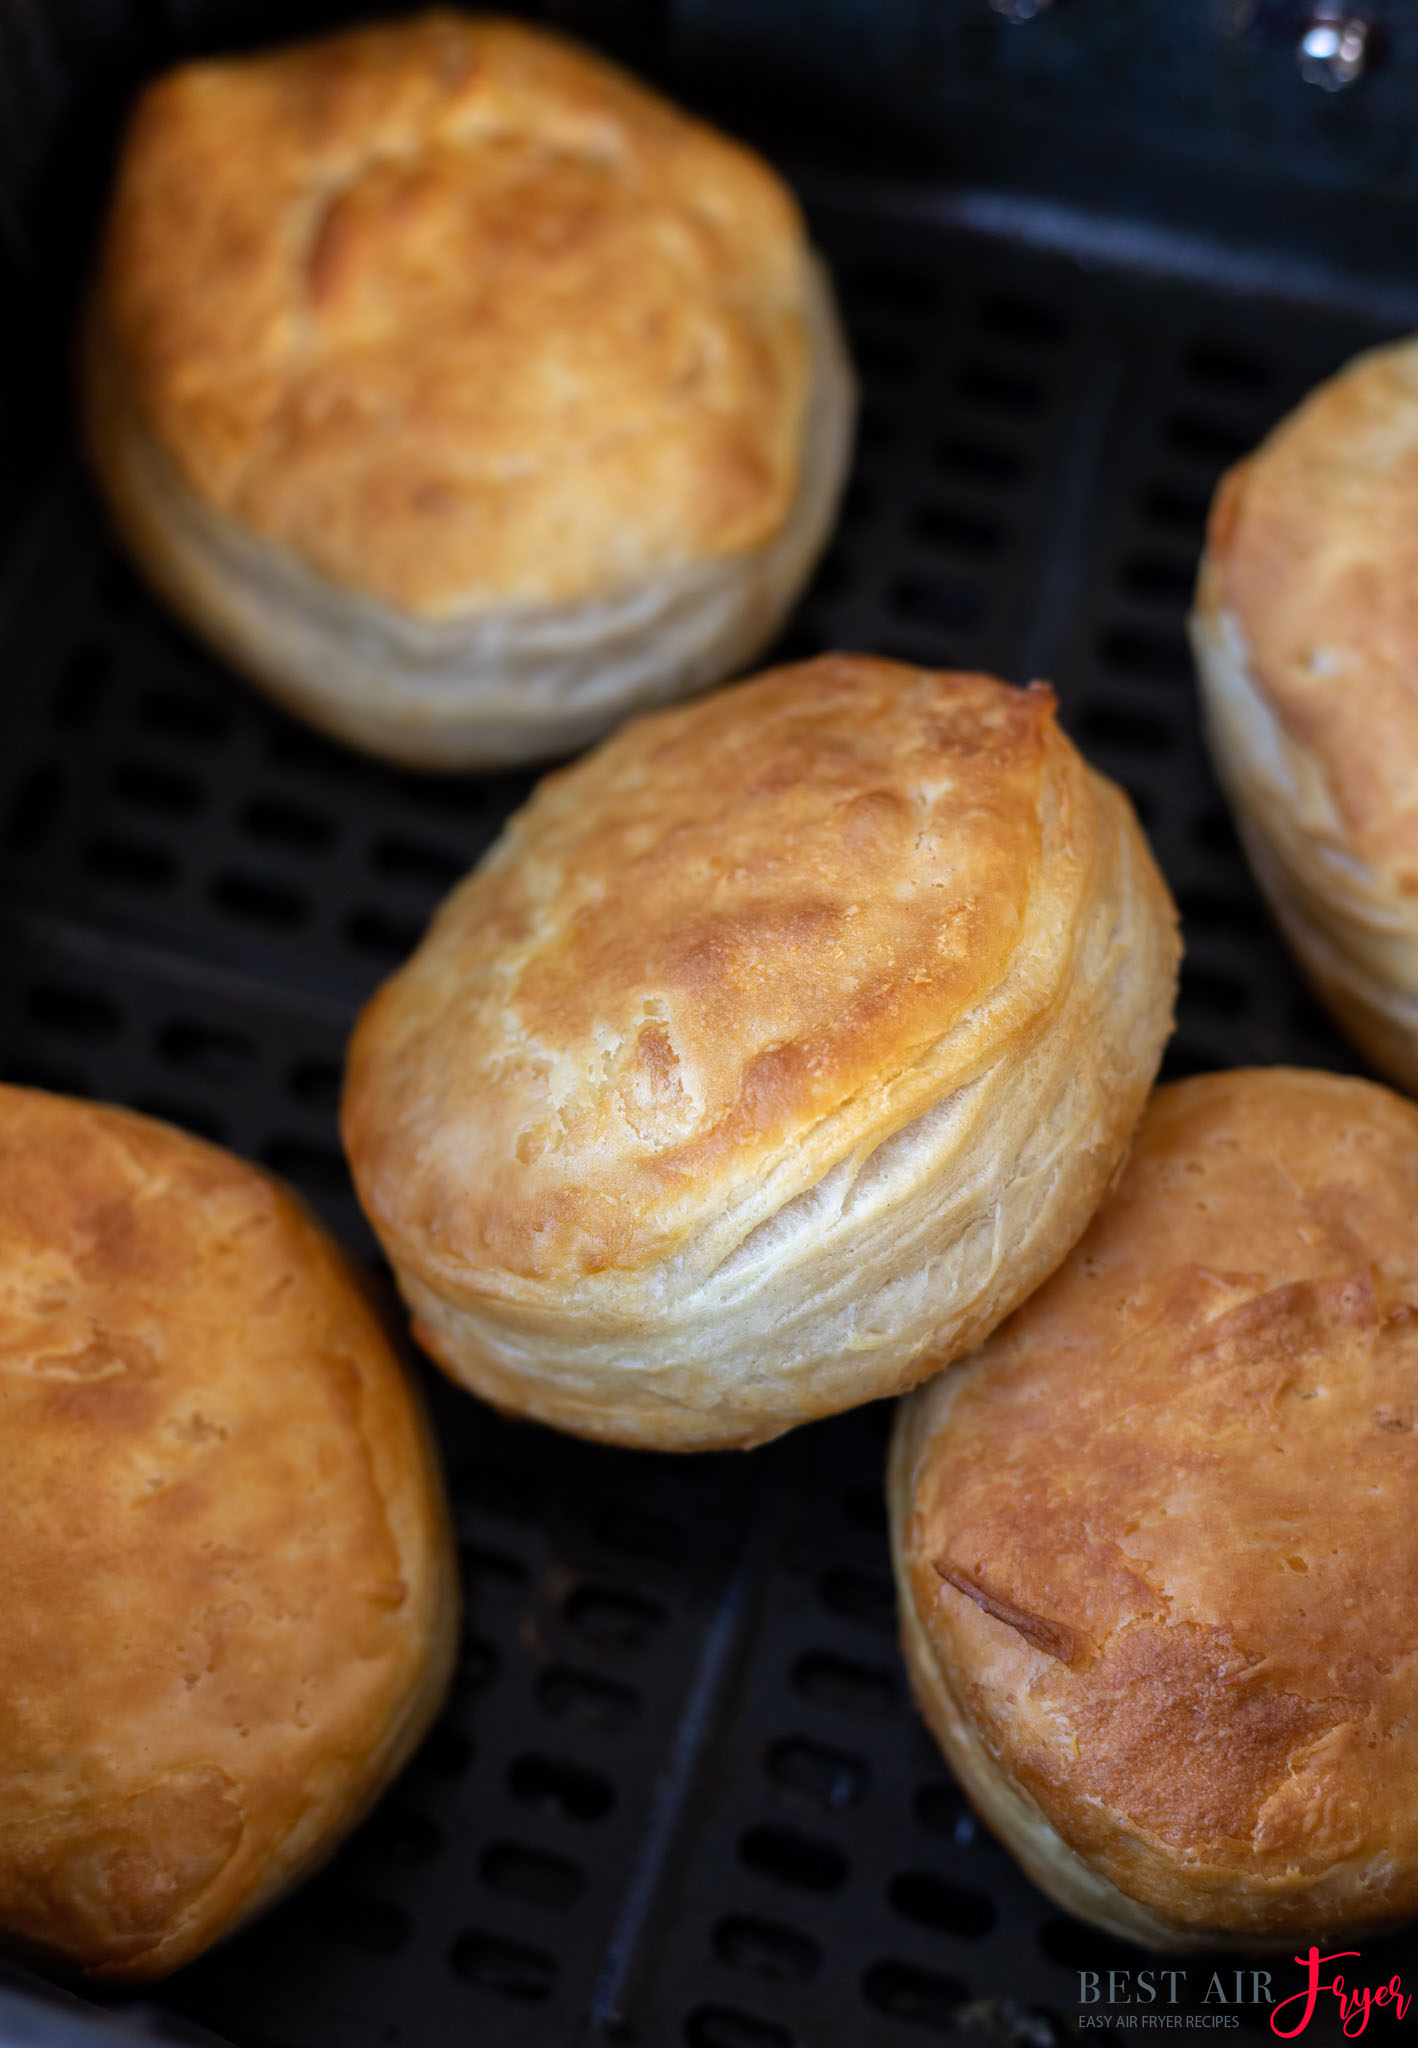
column 533, row 1874
column 555, row 1785
column 778, row 1954
column 1126, row 732
column 943, row 1808
column 912, row 292
column 207, row 1049
column 501, row 1490
column 372, row 1926
column 839, row 1682
column 828, row 1778
column 162, row 791
column 614, row 1621
column 276, row 821
column 723, row 2026
column 1144, row 655
column 188, row 1116
column 75, row 1013
column 446, row 1752
column 1242, row 917
column 490, row 1572
column 513, row 1968
column 1075, row 1946
column 387, row 938
column 88, row 673
column 865, row 1508
column 316, row 1083
column 865, row 1597
column 35, row 809
column 1028, row 322
column 316, row 1169
column 598, row 1704
column 803, row 1861
column 1176, row 508
column 938, row 601
column 908, row 1993
column 1203, row 439
column 1159, row 579
column 183, row 716
column 1002, row 390
column 961, row 533
column 1213, row 991
column 129, row 863
column 934, row 1901
column 400, row 1835
column 639, row 1532
column 255, row 899
column 417, row 861
column 1227, row 368
column 478, row 1663
column 982, row 462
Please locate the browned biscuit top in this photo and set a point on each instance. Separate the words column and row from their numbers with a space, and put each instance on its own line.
column 1314, row 545
column 223, row 1569
column 731, row 925
column 1165, row 1539
column 458, row 313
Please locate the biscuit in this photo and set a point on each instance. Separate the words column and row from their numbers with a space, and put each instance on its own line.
column 1306, row 642
column 460, row 390
column 775, row 1051
column 227, row 1594
column 1155, row 1544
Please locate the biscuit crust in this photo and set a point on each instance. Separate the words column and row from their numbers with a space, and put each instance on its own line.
column 459, row 315
column 484, row 689
column 227, row 1596
column 773, row 1047
column 1155, row 1543
column 1306, row 637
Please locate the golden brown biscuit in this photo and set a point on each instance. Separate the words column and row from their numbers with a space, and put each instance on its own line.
column 227, row 1597
column 1156, row 1546
column 1306, row 637
column 461, row 390
column 772, row 1055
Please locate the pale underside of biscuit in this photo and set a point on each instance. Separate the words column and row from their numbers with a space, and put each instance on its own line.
column 844, row 1102
column 1154, row 1543
column 1352, row 925
column 228, row 1604
column 501, row 684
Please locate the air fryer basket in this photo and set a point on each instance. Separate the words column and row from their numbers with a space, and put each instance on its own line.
column 679, row 1794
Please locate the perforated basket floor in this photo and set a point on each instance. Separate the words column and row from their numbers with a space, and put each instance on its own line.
column 680, row 1795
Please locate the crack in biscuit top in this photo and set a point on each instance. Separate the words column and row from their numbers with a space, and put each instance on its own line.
column 459, row 314
column 729, row 924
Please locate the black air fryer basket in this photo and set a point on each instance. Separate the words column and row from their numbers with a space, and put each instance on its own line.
column 679, row 1795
